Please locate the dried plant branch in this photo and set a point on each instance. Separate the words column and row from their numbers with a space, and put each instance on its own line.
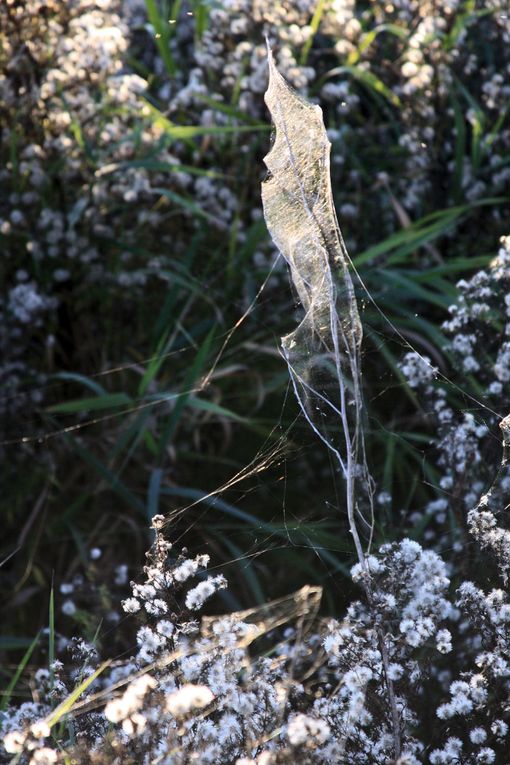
column 323, row 353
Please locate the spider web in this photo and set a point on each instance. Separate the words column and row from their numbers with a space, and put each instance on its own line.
column 323, row 353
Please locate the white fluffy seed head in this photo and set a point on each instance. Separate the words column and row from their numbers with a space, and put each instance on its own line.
column 188, row 698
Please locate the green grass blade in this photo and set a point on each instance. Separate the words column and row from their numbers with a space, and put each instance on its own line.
column 97, row 404
column 163, row 34
column 252, row 580
column 187, row 389
column 155, row 364
column 368, row 38
column 163, row 167
column 201, row 14
column 227, row 109
column 460, row 148
column 153, row 493
column 66, row 706
column 111, row 479
column 81, row 379
column 188, row 132
column 4, row 702
column 196, row 131
column 408, row 239
column 51, row 635
column 209, row 406
column 217, row 503
column 186, row 203
column 314, row 27
column 369, row 80
column 478, row 122
column 421, row 232
column 414, row 291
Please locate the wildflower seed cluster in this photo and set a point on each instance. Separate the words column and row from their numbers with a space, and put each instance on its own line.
column 477, row 338
column 209, row 694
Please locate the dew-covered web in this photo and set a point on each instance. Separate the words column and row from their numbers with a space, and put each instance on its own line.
column 323, row 353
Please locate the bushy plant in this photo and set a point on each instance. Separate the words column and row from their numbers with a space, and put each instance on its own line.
column 235, row 690
column 416, row 670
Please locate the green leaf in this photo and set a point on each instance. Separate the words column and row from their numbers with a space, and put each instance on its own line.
column 405, row 241
column 454, row 266
column 216, row 502
column 369, row 80
column 156, row 165
column 66, row 706
column 368, row 38
column 186, row 203
column 154, row 492
column 111, row 479
column 414, row 291
column 422, row 231
column 82, row 379
column 221, row 411
column 4, row 701
column 460, row 147
column 201, row 10
column 99, row 403
column 463, row 20
column 314, row 27
column 188, row 386
column 188, row 132
column 228, row 109
column 248, row 571
column 51, row 635
column 163, row 33
column 478, row 122
column 194, row 131
column 155, row 364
